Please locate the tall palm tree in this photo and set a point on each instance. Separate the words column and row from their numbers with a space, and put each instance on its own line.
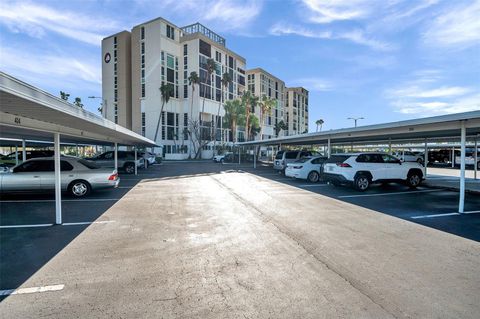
column 249, row 101
column 319, row 123
column 166, row 91
column 193, row 80
column 226, row 80
column 211, row 66
column 255, row 126
column 234, row 115
column 266, row 105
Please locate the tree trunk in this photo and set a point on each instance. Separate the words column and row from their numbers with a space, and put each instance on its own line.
column 159, row 120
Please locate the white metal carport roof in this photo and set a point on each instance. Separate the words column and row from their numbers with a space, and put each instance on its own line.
column 27, row 112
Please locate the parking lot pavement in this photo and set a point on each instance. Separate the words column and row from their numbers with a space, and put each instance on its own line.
column 204, row 240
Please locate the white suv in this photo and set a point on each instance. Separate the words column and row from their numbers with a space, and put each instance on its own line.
column 363, row 169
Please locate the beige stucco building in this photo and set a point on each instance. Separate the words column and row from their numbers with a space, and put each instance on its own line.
column 297, row 110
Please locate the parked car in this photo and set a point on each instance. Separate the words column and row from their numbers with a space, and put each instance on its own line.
column 469, row 158
column 221, row 158
column 11, row 158
column 148, row 158
column 126, row 160
column 282, row 158
column 407, row 156
column 363, row 169
column 78, row 176
column 309, row 168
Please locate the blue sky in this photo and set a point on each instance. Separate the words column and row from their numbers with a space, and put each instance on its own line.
column 385, row 60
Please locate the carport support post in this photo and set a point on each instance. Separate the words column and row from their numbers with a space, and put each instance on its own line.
column 255, row 156
column 16, row 154
column 453, row 157
column 115, row 152
column 24, row 151
column 390, row 146
column 135, row 151
column 425, row 157
column 58, row 181
column 329, row 148
column 239, row 155
column 461, row 202
column 475, row 161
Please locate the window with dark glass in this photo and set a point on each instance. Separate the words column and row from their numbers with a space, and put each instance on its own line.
column 205, row 48
column 230, row 62
column 185, row 49
column 142, row 33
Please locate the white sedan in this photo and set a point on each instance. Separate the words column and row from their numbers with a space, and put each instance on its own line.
column 220, row 158
column 309, row 168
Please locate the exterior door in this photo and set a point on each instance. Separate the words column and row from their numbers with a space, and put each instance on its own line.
column 392, row 167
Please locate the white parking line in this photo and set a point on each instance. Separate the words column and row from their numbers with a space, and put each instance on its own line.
column 392, row 193
column 447, row 214
column 31, row 290
column 26, row 226
column 311, row 185
column 127, row 187
column 88, row 223
column 63, row 200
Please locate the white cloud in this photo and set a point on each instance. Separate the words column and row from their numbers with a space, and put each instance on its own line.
column 356, row 36
column 235, row 14
column 326, row 11
column 457, row 27
column 35, row 20
column 419, row 92
column 63, row 68
column 313, row 84
column 465, row 104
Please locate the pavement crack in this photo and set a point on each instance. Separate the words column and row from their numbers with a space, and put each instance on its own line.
column 337, row 269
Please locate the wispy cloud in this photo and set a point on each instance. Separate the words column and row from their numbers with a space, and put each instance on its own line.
column 63, row 68
column 235, row 14
column 326, row 11
column 426, row 96
column 456, row 27
column 313, row 84
column 356, row 36
column 36, row 20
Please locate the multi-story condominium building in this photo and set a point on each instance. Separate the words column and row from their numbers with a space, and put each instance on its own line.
column 261, row 83
column 116, row 79
column 297, row 110
column 162, row 53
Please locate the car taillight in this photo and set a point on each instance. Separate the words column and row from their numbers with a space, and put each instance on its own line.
column 113, row 177
column 343, row 165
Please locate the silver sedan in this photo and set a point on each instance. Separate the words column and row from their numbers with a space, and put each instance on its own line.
column 78, row 176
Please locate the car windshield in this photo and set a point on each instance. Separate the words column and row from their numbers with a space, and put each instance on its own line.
column 279, row 155
column 88, row 164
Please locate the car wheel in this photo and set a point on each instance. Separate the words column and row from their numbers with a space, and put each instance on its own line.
column 362, row 183
column 129, row 168
column 79, row 188
column 313, row 177
column 413, row 180
column 446, row 160
column 222, row 160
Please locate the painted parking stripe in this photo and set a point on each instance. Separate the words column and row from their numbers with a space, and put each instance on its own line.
column 31, row 290
column 63, row 200
column 443, row 215
column 88, row 223
column 311, row 185
column 26, row 226
column 392, row 193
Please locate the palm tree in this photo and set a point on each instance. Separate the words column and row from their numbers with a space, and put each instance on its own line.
column 249, row 101
column 255, row 126
column 78, row 102
column 211, row 66
column 64, row 95
column 166, row 91
column 192, row 81
column 280, row 126
column 319, row 123
column 226, row 80
column 266, row 105
column 234, row 115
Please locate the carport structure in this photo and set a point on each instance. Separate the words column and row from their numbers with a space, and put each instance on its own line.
column 28, row 113
column 459, row 126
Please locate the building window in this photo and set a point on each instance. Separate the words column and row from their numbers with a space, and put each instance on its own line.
column 142, row 33
column 205, row 48
column 114, row 40
column 185, row 49
column 163, row 125
column 185, row 91
column 170, row 32
column 143, row 89
column 143, row 123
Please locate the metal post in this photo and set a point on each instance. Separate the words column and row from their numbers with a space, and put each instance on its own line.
column 76, row 150
column 255, row 157
column 135, row 151
column 115, row 152
column 390, row 146
column 461, row 203
column 58, row 180
column 16, row 154
column 475, row 160
column 329, row 148
column 24, row 151
column 239, row 156
column 425, row 158
column 453, row 156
